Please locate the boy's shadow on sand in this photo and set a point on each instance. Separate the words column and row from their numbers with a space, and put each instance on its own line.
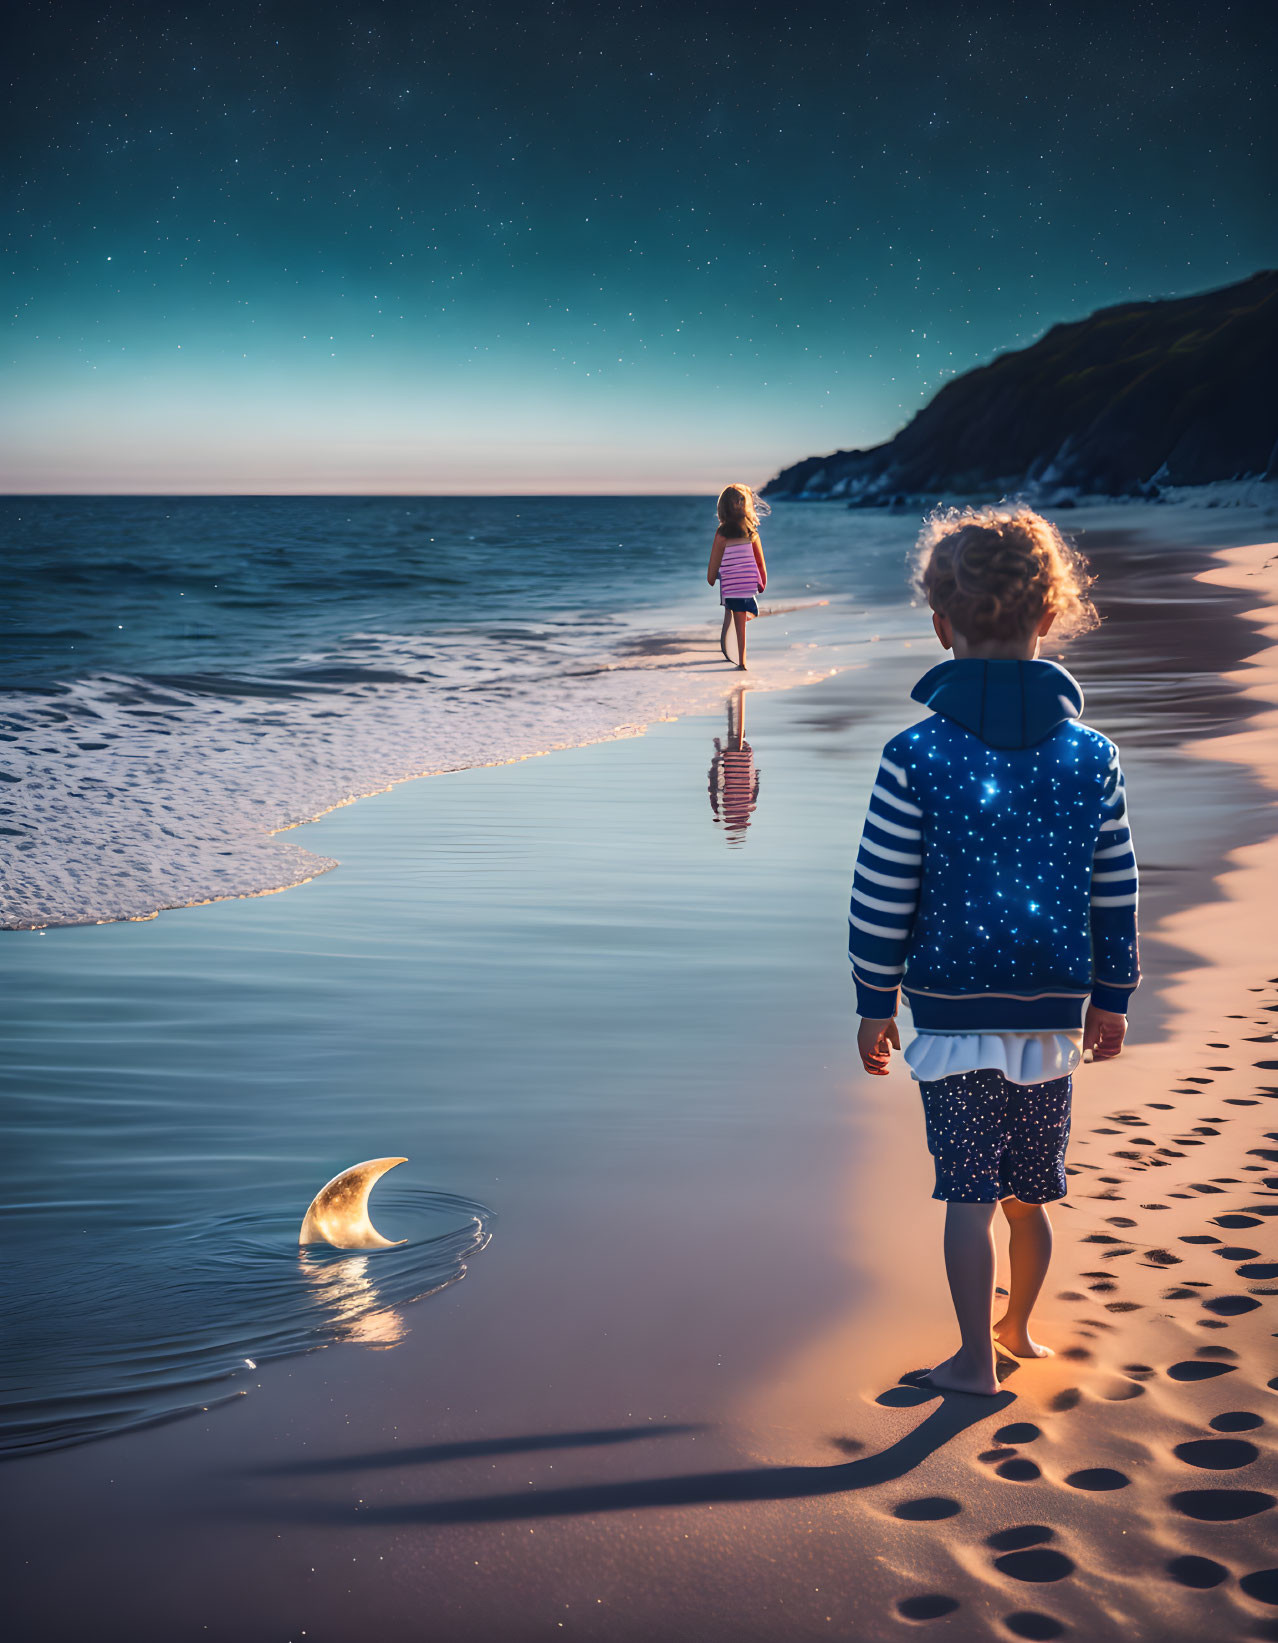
column 954, row 1414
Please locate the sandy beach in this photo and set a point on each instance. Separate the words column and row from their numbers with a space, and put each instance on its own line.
column 667, row 1399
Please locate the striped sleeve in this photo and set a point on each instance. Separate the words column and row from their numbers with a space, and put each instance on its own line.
column 1115, row 947
column 885, row 891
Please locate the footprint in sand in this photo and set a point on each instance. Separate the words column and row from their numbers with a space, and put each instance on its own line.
column 1019, row 1470
column 1065, row 1400
column 904, row 1397
column 928, row 1509
column 1236, row 1420
column 1263, row 1585
column 1120, row 1391
column 1230, row 1306
column 1098, row 1480
column 1198, row 1572
column 1261, row 1269
column 1221, row 1505
column 1020, row 1536
column 927, row 1606
column 1037, row 1565
column 1029, row 1623
column 1217, row 1454
column 1235, row 1252
column 1188, row 1370
column 1018, row 1432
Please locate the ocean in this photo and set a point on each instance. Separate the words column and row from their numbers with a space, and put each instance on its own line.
column 181, row 678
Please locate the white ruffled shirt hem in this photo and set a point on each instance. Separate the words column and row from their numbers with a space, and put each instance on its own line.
column 1022, row 1058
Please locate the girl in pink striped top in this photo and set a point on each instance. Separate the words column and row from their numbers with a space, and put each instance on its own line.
column 737, row 562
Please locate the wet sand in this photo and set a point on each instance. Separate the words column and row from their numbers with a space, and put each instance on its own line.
column 666, row 1400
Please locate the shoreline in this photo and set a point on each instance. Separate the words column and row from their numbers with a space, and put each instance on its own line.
column 672, row 673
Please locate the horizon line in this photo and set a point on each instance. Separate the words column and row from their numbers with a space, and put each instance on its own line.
column 338, row 496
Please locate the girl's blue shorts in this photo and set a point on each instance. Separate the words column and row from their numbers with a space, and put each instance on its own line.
column 751, row 606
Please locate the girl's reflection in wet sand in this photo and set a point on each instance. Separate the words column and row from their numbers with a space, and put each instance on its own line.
column 734, row 781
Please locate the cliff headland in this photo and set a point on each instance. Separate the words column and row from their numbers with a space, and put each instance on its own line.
column 1133, row 399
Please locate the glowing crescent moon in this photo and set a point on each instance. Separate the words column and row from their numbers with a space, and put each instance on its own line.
column 339, row 1211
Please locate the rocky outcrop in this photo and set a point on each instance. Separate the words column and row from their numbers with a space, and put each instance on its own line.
column 1146, row 394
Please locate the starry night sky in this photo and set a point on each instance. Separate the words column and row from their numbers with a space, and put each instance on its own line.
column 564, row 246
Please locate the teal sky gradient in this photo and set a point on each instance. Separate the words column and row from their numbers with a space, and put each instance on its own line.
column 639, row 248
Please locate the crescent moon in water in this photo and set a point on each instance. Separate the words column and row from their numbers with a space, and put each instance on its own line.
column 339, row 1211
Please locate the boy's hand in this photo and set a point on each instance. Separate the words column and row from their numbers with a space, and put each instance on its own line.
column 875, row 1041
column 1103, row 1033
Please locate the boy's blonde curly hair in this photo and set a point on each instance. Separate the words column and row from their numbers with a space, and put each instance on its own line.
column 995, row 572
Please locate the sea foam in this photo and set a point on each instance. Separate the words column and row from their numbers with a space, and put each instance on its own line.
column 129, row 795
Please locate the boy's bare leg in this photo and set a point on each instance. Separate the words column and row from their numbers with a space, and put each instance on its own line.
column 1030, row 1251
column 969, row 1266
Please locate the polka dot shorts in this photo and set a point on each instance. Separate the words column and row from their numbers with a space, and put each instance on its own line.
column 992, row 1139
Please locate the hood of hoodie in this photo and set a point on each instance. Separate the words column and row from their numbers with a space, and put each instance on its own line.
column 1004, row 704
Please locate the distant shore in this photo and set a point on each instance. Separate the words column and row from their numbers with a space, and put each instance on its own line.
column 1231, row 493
column 1132, row 400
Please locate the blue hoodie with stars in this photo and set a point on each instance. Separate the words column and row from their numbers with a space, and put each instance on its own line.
column 995, row 881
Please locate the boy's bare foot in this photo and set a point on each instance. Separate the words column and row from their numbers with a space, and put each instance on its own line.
column 1019, row 1342
column 957, row 1375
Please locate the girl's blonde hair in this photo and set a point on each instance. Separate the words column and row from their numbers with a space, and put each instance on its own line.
column 995, row 572
column 739, row 511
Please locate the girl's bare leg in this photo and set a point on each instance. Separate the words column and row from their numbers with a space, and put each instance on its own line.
column 723, row 632
column 1030, row 1251
column 741, row 617
column 969, row 1266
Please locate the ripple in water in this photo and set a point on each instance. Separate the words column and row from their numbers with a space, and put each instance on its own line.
column 228, row 1290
